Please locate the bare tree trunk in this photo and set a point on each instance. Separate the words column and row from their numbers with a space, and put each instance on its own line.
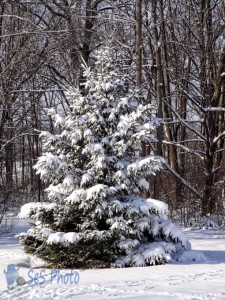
column 138, row 44
column 159, row 86
column 172, row 150
column 214, row 120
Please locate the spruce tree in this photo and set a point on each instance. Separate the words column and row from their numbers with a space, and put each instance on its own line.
column 96, row 215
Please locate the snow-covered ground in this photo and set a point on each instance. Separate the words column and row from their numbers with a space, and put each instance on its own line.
column 187, row 280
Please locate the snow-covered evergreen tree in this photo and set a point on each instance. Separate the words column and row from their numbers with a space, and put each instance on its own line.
column 96, row 215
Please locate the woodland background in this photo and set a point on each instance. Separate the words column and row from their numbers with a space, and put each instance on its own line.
column 177, row 51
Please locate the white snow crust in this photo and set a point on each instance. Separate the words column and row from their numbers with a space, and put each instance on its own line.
column 192, row 277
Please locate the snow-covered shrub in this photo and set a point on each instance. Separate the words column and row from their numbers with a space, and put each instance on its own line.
column 206, row 223
column 97, row 216
column 193, row 256
column 8, row 224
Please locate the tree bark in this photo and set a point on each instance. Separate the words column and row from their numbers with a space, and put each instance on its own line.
column 138, row 44
column 159, row 87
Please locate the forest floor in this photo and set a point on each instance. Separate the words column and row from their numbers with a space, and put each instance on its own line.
column 189, row 280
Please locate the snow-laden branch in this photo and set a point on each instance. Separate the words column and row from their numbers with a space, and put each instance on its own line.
column 16, row 137
column 113, row 7
column 182, row 121
column 32, row 32
column 106, row 8
column 177, row 122
column 38, row 91
column 189, row 141
column 187, row 184
column 219, row 108
column 217, row 138
column 220, row 150
column 185, row 148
